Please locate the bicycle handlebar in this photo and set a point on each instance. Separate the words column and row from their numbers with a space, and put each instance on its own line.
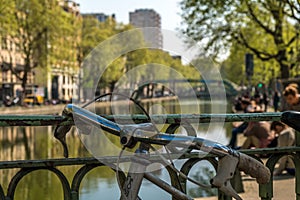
column 291, row 118
column 130, row 134
column 254, row 168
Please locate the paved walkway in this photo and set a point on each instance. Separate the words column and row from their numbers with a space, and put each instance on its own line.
column 283, row 185
column 284, row 189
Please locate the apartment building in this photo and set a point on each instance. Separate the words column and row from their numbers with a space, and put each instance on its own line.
column 101, row 17
column 11, row 58
column 63, row 77
column 142, row 18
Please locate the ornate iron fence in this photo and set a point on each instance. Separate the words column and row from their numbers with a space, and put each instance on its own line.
column 71, row 190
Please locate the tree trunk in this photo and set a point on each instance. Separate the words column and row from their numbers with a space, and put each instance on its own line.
column 24, row 83
column 24, row 78
column 284, row 69
column 112, row 86
column 284, row 64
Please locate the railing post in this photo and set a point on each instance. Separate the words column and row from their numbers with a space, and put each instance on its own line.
column 297, row 167
column 266, row 190
column 74, row 195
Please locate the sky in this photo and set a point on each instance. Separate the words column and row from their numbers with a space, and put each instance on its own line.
column 169, row 10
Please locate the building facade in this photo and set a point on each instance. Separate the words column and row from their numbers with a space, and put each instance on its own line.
column 54, row 81
column 101, row 17
column 11, row 58
column 143, row 18
column 63, row 77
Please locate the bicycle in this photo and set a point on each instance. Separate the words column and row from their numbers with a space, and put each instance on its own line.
column 147, row 135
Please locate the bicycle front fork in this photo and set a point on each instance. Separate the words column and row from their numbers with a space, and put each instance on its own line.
column 135, row 175
column 137, row 172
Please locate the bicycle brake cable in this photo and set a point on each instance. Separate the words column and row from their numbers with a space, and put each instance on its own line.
column 173, row 165
column 131, row 99
column 121, row 152
column 179, row 172
column 163, row 158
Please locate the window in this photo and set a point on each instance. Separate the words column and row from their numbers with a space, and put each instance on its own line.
column 4, row 43
column 4, row 76
column 17, row 46
column 11, row 45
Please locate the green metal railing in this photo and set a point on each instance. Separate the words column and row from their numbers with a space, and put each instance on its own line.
column 71, row 190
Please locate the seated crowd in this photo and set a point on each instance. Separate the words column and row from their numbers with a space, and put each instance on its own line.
column 263, row 134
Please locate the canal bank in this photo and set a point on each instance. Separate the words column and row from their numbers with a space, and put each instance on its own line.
column 43, row 110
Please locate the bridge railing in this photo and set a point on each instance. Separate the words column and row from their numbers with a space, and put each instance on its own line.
column 71, row 190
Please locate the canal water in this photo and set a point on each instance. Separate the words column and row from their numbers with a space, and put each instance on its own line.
column 19, row 143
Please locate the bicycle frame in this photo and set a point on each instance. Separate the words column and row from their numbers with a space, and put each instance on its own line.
column 133, row 181
column 145, row 134
column 129, row 135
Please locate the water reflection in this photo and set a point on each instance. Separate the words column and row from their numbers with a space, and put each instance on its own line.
column 202, row 172
column 21, row 143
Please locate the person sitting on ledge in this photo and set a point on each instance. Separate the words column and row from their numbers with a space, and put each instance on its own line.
column 258, row 133
column 245, row 103
column 286, row 137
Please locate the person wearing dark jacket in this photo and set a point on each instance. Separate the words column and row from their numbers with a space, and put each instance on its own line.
column 286, row 137
column 245, row 103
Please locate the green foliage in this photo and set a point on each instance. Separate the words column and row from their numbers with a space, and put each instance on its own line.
column 6, row 15
column 101, row 38
column 63, row 38
column 93, row 32
column 98, row 53
column 268, row 29
column 233, row 68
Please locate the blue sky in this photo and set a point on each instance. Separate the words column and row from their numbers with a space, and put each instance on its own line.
column 168, row 9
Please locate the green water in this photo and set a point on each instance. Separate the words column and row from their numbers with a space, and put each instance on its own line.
column 19, row 143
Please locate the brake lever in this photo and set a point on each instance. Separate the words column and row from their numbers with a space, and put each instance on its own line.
column 225, row 171
column 61, row 131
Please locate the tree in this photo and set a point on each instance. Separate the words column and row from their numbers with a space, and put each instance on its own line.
column 93, row 32
column 233, row 68
column 112, row 51
column 220, row 23
column 94, row 57
column 104, row 53
column 64, row 40
column 36, row 27
column 6, row 15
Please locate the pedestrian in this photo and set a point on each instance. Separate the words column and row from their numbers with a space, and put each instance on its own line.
column 245, row 104
column 286, row 137
column 265, row 101
column 237, row 105
column 292, row 98
column 258, row 100
column 276, row 99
